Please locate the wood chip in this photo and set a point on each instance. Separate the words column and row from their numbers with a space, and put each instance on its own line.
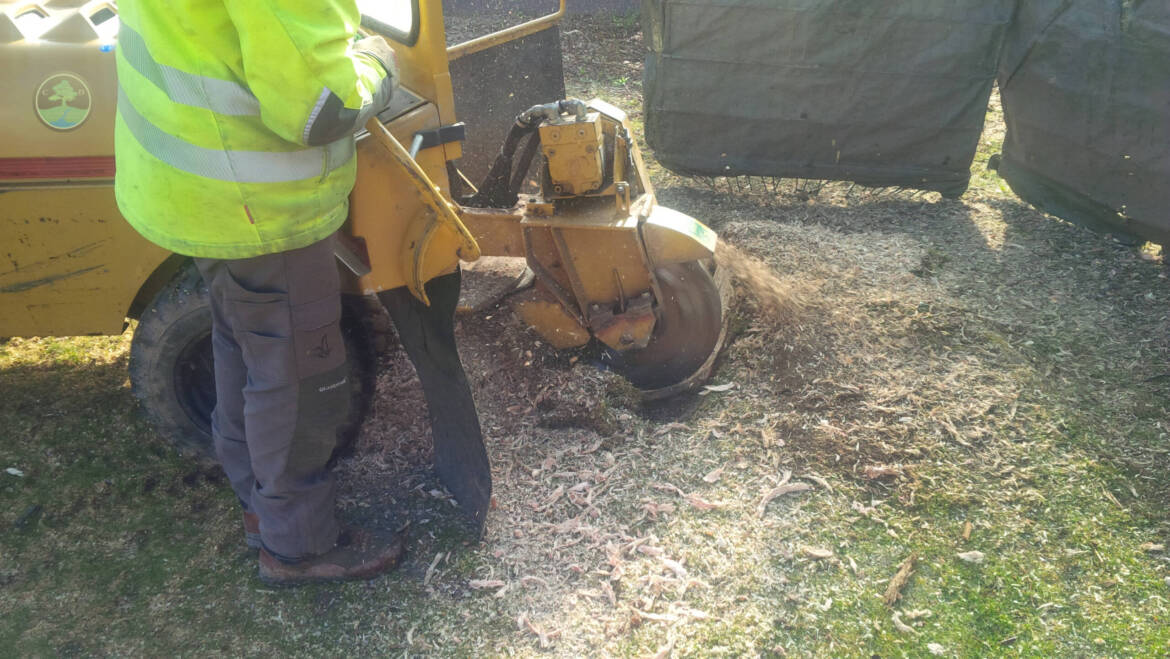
column 656, row 617
column 480, row 584
column 954, row 432
column 971, row 556
column 1150, row 547
column 669, row 487
column 1109, row 495
column 901, row 626
column 430, row 573
column 787, row 488
column 713, row 476
column 967, row 527
column 819, row 481
column 816, row 552
column 609, row 594
column 545, row 637
column 653, row 509
column 552, row 498
column 717, row 388
column 899, row 580
column 662, row 430
column 703, row 504
column 675, row 567
column 663, row 651
column 874, row 472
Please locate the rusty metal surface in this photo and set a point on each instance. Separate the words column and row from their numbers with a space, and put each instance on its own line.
column 494, row 85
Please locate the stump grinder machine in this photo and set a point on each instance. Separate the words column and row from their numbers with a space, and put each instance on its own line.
column 566, row 195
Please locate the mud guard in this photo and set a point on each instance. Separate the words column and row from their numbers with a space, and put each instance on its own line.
column 428, row 334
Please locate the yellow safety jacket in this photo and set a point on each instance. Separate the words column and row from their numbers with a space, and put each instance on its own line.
column 234, row 134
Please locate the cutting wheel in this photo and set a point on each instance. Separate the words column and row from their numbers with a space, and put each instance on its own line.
column 688, row 332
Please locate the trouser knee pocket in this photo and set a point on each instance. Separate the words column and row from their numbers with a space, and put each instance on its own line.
column 323, row 381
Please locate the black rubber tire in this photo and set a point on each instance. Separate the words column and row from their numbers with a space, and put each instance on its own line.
column 171, row 364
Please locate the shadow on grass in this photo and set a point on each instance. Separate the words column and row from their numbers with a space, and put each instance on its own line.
column 112, row 543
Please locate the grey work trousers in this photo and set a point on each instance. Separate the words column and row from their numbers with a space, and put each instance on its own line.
column 282, row 389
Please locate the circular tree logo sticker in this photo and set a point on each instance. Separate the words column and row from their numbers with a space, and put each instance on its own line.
column 63, row 101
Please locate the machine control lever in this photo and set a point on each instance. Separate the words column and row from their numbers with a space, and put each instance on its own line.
column 425, row 139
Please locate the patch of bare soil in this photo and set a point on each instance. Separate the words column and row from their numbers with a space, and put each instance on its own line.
column 602, row 48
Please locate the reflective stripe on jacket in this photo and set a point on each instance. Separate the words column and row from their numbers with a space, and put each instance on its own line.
column 234, row 135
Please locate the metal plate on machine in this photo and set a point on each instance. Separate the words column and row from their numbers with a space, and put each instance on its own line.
column 401, row 102
column 494, row 85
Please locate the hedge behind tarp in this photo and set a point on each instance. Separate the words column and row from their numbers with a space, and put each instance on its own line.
column 1086, row 95
column 882, row 93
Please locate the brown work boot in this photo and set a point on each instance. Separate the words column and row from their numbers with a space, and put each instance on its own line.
column 358, row 554
column 251, row 530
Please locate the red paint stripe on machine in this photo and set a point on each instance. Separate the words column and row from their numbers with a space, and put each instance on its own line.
column 81, row 167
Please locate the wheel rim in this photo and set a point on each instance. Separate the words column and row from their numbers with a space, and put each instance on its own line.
column 195, row 381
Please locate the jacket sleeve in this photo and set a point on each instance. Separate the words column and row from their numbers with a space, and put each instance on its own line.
column 300, row 64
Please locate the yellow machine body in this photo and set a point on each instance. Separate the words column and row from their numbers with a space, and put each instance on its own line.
column 69, row 263
column 574, row 152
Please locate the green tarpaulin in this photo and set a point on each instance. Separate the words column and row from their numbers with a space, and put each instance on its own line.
column 895, row 94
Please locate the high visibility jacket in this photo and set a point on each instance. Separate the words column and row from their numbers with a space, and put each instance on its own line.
column 234, row 132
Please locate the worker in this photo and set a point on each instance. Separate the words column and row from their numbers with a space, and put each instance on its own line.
column 234, row 145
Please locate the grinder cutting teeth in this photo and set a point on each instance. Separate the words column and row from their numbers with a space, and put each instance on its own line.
column 609, row 262
column 687, row 335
